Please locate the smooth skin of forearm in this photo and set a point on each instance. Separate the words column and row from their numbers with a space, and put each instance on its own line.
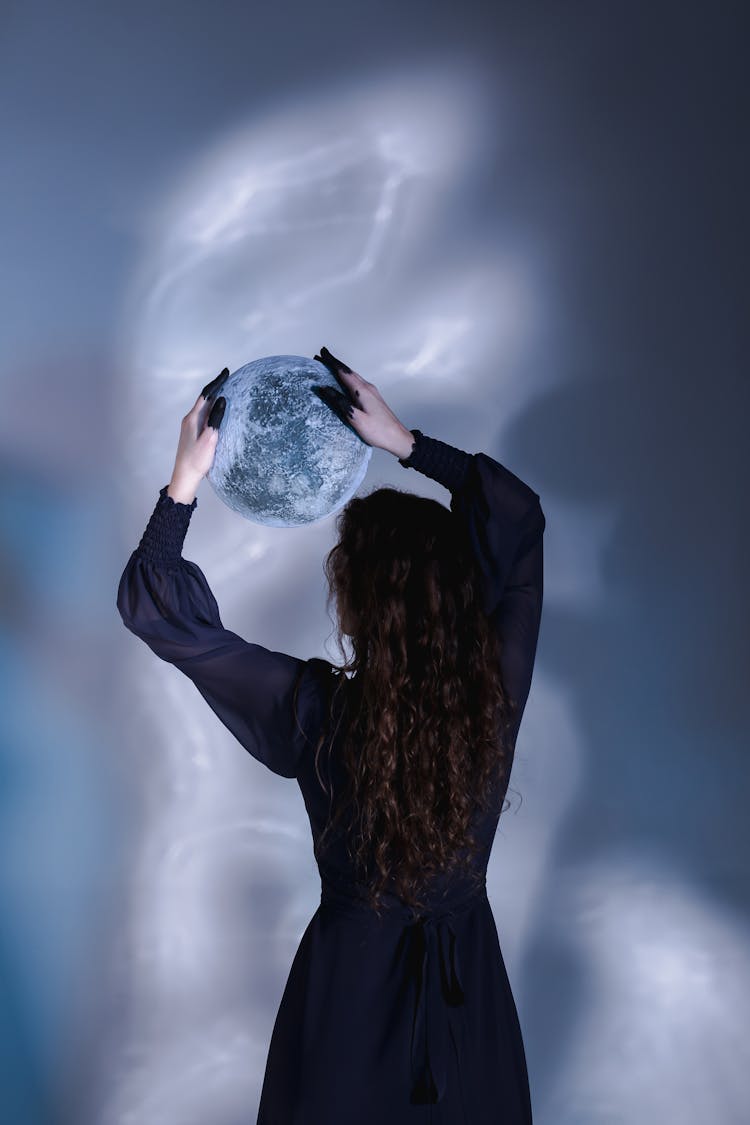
column 402, row 444
column 182, row 489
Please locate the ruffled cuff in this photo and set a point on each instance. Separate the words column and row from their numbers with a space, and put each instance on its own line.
column 166, row 529
column 442, row 462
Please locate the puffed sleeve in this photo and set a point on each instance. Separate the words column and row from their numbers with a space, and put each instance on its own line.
column 504, row 521
column 166, row 601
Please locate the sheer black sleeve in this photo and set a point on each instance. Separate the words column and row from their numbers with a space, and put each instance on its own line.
column 166, row 601
column 503, row 518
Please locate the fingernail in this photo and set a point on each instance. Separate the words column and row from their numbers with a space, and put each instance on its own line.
column 214, row 385
column 217, row 413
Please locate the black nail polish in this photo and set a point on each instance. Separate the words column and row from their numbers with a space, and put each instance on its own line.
column 217, row 413
column 212, row 388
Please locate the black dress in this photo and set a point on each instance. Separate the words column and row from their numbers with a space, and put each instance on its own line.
column 389, row 1019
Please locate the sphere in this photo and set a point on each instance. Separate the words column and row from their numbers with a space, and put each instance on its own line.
column 283, row 457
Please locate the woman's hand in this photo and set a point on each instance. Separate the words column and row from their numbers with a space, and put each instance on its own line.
column 199, row 434
column 362, row 407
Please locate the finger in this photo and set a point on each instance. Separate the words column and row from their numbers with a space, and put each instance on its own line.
column 327, row 363
column 217, row 413
column 342, row 374
column 339, row 363
column 216, row 384
column 340, row 404
column 336, row 366
column 334, row 399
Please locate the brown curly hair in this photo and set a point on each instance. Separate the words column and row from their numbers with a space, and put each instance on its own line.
column 427, row 711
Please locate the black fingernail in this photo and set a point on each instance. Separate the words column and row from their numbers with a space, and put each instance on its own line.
column 325, row 395
column 217, row 413
column 342, row 401
column 338, row 363
column 216, row 384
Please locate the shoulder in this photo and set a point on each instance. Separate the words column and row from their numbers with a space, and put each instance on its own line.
column 320, row 682
column 316, row 691
column 316, row 682
column 319, row 669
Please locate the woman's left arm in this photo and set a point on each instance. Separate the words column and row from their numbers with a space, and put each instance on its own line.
column 266, row 699
column 166, row 601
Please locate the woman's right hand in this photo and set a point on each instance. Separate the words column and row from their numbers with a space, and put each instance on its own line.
column 362, row 406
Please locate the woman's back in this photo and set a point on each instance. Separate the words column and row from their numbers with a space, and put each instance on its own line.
column 381, row 1011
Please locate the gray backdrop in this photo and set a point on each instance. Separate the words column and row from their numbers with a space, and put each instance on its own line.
column 526, row 224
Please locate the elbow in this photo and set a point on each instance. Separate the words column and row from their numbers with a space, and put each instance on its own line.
column 127, row 620
column 134, row 624
column 124, row 604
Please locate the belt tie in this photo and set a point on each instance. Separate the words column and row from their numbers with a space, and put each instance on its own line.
column 438, row 983
column 433, row 961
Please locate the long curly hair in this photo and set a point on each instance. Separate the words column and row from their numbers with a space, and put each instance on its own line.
column 426, row 711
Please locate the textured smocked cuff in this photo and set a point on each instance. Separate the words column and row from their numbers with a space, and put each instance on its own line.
column 166, row 529
column 437, row 459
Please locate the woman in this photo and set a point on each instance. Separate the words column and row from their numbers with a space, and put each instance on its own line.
column 397, row 1007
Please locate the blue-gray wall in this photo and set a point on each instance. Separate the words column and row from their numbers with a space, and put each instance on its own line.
column 527, row 225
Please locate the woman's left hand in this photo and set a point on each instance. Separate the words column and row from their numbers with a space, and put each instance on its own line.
column 199, row 434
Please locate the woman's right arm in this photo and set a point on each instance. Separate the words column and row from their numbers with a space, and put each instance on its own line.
column 502, row 515
column 503, row 518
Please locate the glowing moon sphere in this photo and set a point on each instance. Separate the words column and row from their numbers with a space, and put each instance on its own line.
column 283, row 457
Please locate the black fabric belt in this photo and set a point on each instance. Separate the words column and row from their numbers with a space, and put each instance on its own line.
column 434, row 966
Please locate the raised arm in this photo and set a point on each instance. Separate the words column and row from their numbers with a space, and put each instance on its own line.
column 166, row 601
column 502, row 515
column 505, row 525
